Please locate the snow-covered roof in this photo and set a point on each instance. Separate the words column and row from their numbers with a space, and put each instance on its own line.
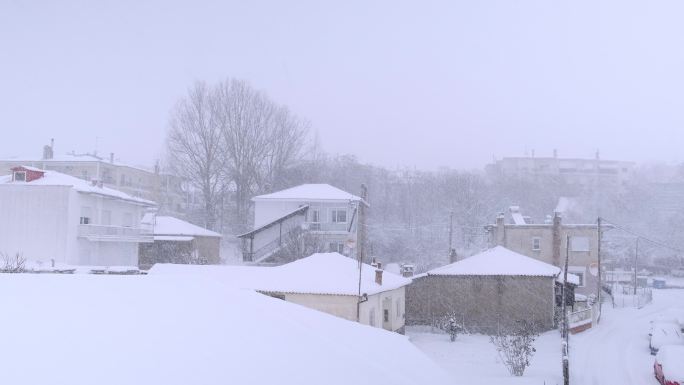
column 173, row 226
column 237, row 336
column 54, row 178
column 174, row 238
column 671, row 358
column 71, row 157
column 498, row 261
column 310, row 192
column 322, row 273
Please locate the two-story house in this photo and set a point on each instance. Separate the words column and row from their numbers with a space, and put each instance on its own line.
column 54, row 218
column 317, row 213
column 547, row 242
column 147, row 183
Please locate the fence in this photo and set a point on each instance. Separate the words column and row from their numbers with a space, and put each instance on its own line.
column 624, row 296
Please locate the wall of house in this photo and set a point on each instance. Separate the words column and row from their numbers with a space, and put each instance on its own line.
column 344, row 306
column 208, row 249
column 105, row 211
column 392, row 300
column 35, row 222
column 519, row 238
column 483, row 303
column 266, row 211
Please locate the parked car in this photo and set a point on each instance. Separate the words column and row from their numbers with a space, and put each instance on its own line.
column 669, row 365
column 664, row 333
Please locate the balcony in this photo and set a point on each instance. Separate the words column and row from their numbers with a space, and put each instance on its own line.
column 104, row 233
column 327, row 227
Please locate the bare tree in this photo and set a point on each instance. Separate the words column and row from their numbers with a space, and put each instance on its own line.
column 261, row 140
column 516, row 347
column 14, row 264
column 194, row 147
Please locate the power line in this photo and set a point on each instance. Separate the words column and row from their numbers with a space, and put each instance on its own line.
column 658, row 243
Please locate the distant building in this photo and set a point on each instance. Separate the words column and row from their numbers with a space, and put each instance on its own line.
column 547, row 241
column 149, row 184
column 318, row 209
column 50, row 217
column 328, row 282
column 178, row 241
column 582, row 172
column 487, row 292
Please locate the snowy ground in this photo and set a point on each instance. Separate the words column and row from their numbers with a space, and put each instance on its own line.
column 473, row 360
column 615, row 352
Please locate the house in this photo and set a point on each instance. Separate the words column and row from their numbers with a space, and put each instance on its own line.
column 547, row 242
column 178, row 241
column 50, row 217
column 321, row 215
column 157, row 330
column 487, row 292
column 328, row 282
column 151, row 184
column 587, row 173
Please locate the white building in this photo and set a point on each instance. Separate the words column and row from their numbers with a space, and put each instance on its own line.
column 320, row 209
column 328, row 282
column 51, row 217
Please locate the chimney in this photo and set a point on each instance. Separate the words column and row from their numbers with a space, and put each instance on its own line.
column 48, row 150
column 500, row 230
column 557, row 222
column 378, row 276
column 111, row 157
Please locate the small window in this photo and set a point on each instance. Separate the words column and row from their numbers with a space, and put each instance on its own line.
column 336, row 247
column 338, row 216
column 536, row 243
column 85, row 221
column 371, row 317
column 579, row 244
column 20, row 176
column 315, row 216
column 385, row 315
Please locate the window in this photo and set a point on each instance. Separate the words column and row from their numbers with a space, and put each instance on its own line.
column 536, row 243
column 385, row 315
column 371, row 317
column 86, row 214
column 579, row 244
column 338, row 216
column 336, row 247
column 20, row 176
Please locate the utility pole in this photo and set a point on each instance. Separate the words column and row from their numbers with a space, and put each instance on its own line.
column 600, row 284
column 360, row 242
column 564, row 329
column 636, row 257
column 451, row 230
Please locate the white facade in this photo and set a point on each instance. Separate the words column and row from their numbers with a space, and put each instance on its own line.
column 62, row 220
column 332, row 214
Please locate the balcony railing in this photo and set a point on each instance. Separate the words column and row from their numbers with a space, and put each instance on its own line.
column 115, row 233
column 327, row 226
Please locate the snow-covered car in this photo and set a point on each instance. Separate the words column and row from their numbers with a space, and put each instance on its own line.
column 669, row 365
column 665, row 333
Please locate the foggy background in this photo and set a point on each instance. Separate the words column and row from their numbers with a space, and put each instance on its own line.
column 423, row 84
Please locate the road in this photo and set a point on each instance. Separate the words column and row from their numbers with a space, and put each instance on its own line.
column 616, row 351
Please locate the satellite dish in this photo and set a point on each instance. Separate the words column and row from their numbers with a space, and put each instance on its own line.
column 593, row 269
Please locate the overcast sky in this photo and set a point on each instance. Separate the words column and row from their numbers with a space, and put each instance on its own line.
column 421, row 84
